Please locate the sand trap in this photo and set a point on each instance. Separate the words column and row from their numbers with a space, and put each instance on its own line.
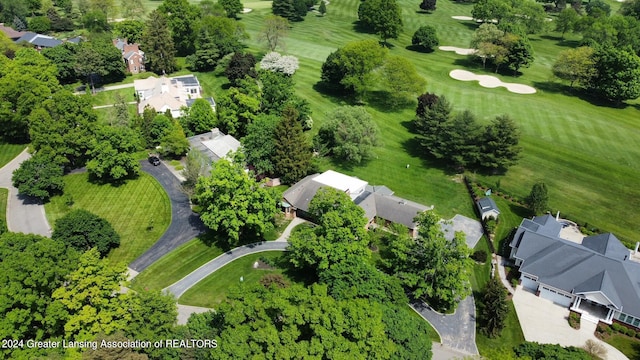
column 459, row 51
column 491, row 82
column 246, row 10
column 462, row 17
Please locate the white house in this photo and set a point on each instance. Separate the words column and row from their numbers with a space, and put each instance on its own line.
column 171, row 94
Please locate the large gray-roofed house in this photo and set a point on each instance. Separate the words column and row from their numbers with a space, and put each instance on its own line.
column 376, row 201
column 39, row 40
column 214, row 144
column 595, row 278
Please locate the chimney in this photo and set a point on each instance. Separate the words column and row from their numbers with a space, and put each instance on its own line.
column 215, row 132
column 558, row 215
column 636, row 250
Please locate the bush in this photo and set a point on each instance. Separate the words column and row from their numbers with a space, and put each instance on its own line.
column 479, row 256
column 68, row 200
column 491, row 225
column 617, row 327
column 574, row 320
column 515, row 282
column 595, row 349
column 629, row 332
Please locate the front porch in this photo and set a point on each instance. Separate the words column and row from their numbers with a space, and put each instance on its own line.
column 592, row 311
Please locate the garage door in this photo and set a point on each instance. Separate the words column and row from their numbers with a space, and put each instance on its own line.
column 529, row 284
column 556, row 297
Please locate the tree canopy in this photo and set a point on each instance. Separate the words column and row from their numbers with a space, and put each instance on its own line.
column 158, row 44
column 84, row 230
column 39, row 177
column 425, row 38
column 111, row 153
column 350, row 68
column 234, row 204
column 292, row 149
column 384, row 17
column 617, row 74
column 181, row 16
column 538, row 198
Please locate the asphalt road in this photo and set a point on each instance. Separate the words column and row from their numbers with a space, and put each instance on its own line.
column 184, row 284
column 185, row 224
column 24, row 214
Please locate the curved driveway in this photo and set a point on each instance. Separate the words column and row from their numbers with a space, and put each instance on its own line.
column 24, row 214
column 182, row 285
column 185, row 224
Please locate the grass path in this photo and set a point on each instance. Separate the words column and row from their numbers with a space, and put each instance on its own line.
column 139, row 210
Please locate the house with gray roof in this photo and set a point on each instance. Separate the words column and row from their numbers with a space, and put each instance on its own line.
column 376, row 201
column 38, row 40
column 169, row 93
column 12, row 34
column 488, row 208
column 596, row 277
column 214, row 145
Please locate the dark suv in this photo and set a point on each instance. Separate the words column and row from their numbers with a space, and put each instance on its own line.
column 154, row 160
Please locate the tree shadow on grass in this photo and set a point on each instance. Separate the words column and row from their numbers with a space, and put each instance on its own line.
column 304, row 276
column 419, row 49
column 585, row 95
column 359, row 26
column 560, row 41
column 385, row 102
column 471, row 25
column 414, row 148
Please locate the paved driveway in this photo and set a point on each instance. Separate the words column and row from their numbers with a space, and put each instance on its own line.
column 24, row 214
column 545, row 322
column 185, row 224
column 458, row 330
column 470, row 227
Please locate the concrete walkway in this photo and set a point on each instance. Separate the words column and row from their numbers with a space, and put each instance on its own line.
column 24, row 214
column 544, row 322
column 106, row 88
column 458, row 330
column 112, row 105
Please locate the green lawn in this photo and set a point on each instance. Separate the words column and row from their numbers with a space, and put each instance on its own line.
column 111, row 96
column 4, row 197
column 130, row 208
column 176, row 265
column 627, row 345
column 510, row 337
column 212, row 290
column 9, row 151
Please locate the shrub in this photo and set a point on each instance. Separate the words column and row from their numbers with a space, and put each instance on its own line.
column 629, row 332
column 595, row 349
column 491, row 225
column 479, row 256
column 617, row 327
column 515, row 282
column 274, row 279
column 574, row 320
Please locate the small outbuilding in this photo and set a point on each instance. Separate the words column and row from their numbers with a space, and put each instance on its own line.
column 488, row 208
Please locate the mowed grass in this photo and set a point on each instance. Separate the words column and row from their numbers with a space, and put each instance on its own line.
column 130, row 208
column 629, row 346
column 176, row 265
column 212, row 290
column 4, row 197
column 9, row 151
column 110, row 97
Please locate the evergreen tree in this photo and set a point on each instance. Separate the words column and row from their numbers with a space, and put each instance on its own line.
column 158, row 45
column 499, row 144
column 322, row 9
column 432, row 116
column 538, row 198
column 493, row 308
column 428, row 5
column 292, row 150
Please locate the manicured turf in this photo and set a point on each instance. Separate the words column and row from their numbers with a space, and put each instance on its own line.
column 627, row 345
column 4, row 197
column 510, row 337
column 9, row 151
column 176, row 265
column 212, row 290
column 110, row 96
column 130, row 208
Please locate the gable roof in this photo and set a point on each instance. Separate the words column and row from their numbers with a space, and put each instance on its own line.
column 487, row 204
column 10, row 32
column 39, row 40
column 579, row 268
column 214, row 144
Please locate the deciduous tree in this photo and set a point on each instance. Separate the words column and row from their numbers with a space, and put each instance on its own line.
column 260, row 142
column 350, row 134
column 83, row 230
column 576, row 66
column 425, row 38
column 231, row 7
column 274, row 31
column 39, row 177
column 199, row 118
column 275, row 62
column 216, row 38
column 234, row 204
column 240, row 65
column 132, row 9
column 131, row 30
column 236, row 110
column 401, row 81
column 111, row 153
column 566, row 20
column 64, row 57
column 617, row 75
column 384, row 17
column 181, row 17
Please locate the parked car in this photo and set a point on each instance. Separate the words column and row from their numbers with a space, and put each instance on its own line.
column 154, row 160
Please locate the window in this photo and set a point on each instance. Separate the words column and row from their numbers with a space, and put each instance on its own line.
column 636, row 322
column 193, row 91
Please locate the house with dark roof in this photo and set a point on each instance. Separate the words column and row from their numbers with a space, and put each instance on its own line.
column 488, row 208
column 596, row 277
column 214, row 145
column 38, row 40
column 132, row 55
column 376, row 201
column 12, row 34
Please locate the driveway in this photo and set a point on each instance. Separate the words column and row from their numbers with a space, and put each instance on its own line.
column 184, row 284
column 457, row 330
column 24, row 214
column 185, row 224
column 470, row 227
column 544, row 322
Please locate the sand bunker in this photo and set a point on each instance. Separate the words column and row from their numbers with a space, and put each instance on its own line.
column 246, row 10
column 462, row 17
column 459, row 51
column 491, row 82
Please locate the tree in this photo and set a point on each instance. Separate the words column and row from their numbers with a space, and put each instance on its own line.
column 99, row 58
column 428, row 5
column 107, row 7
column 538, row 198
column 431, row 266
column 631, row 8
column 576, row 66
column 277, row 90
column 350, row 134
column 461, row 140
column 292, row 150
column 231, row 7
column 174, row 143
column 407, row 331
column 350, row 68
column 199, row 118
column 111, row 153
column 274, row 31
column 260, row 142
column 484, row 40
column 493, row 308
column 401, row 80
column 40, row 24
column 39, row 177
column 339, row 236
column 499, row 144
column 158, row 44
column 182, row 18
column 294, row 322
column 31, row 268
column 59, row 23
column 520, row 52
column 384, row 17
column 95, row 21
column 131, row 30
column 275, row 62
column 210, row 8
column 233, row 203
column 292, row 10
column 195, row 167
column 152, row 317
column 236, row 110
column 160, row 126
column 566, row 20
column 432, row 118
column 617, row 74
column 240, row 65
column 83, row 230
column 425, row 38
column 488, row 10
column 598, row 8
column 216, row 38
column 534, row 350
column 64, row 57
column 132, row 10
column 85, row 304
column 322, row 9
